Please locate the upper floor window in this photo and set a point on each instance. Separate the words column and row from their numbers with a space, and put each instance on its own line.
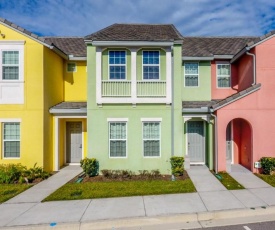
column 10, row 65
column 191, row 74
column 150, row 63
column 223, row 75
column 117, row 65
column 71, row 67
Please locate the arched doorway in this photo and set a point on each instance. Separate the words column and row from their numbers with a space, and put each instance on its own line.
column 239, row 142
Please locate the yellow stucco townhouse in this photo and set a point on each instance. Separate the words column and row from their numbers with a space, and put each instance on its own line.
column 42, row 98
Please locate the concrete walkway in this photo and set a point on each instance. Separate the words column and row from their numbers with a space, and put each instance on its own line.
column 212, row 203
column 40, row 191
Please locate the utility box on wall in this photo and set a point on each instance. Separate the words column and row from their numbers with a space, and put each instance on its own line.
column 257, row 165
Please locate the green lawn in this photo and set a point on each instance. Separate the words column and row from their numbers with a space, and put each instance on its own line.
column 270, row 179
column 75, row 191
column 229, row 182
column 7, row 191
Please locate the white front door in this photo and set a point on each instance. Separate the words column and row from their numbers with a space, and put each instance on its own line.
column 196, row 142
column 73, row 142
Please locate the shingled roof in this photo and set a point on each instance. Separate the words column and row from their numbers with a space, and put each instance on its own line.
column 69, row 45
column 22, row 30
column 210, row 46
column 136, row 32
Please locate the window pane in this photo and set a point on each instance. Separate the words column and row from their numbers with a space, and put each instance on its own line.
column 10, row 57
column 11, row 131
column 151, row 148
column 150, row 72
column 224, row 82
column 117, row 72
column 11, row 149
column 223, row 69
column 191, row 68
column 10, row 72
column 117, row 130
column 118, row 148
column 117, row 65
column 191, row 80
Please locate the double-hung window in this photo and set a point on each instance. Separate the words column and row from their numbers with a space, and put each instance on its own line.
column 11, row 139
column 223, row 75
column 117, row 139
column 10, row 65
column 151, row 65
column 117, row 65
column 151, row 139
column 191, row 73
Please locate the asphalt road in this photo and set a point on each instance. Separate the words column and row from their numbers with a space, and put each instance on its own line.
column 254, row 226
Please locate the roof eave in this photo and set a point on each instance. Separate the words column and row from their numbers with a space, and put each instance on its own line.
column 81, row 111
column 188, row 58
column 239, row 54
column 196, row 110
column 129, row 43
column 73, row 58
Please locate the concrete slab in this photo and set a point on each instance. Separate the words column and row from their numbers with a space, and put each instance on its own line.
column 220, row 200
column 248, row 199
column 247, row 178
column 40, row 191
column 113, row 208
column 204, row 180
column 9, row 212
column 265, row 194
column 173, row 204
column 52, row 212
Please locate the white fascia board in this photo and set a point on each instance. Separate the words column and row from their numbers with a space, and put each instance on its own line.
column 68, row 111
column 223, row 56
column 196, row 110
column 129, row 43
column 72, row 58
column 185, row 58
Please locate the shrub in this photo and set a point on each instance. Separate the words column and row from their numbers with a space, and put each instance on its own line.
column 177, row 165
column 10, row 173
column 268, row 164
column 117, row 174
column 90, row 166
column 17, row 173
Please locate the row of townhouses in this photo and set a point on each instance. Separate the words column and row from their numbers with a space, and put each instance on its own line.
column 133, row 95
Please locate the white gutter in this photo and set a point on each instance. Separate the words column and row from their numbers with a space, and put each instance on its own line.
column 254, row 66
column 186, row 58
column 69, row 111
column 216, row 140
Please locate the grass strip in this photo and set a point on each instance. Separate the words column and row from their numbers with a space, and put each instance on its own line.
column 229, row 182
column 8, row 191
column 74, row 191
column 270, row 179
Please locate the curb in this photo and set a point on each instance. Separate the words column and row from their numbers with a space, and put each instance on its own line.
column 175, row 222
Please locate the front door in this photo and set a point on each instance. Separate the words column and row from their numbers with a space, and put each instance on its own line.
column 229, row 142
column 196, row 142
column 73, row 142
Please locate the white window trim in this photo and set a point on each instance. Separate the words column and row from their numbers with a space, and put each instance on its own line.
column 223, row 63
column 75, row 67
column 3, row 121
column 192, row 75
column 109, row 79
column 152, row 120
column 151, row 65
column 109, row 140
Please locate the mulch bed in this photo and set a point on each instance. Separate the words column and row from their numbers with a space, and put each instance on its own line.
column 101, row 178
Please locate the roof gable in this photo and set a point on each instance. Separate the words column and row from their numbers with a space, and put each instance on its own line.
column 136, row 32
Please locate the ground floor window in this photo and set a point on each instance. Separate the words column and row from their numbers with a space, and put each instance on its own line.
column 117, row 139
column 151, row 139
column 11, row 139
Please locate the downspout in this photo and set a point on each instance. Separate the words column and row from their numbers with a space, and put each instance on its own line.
column 216, row 139
column 254, row 66
column 172, row 105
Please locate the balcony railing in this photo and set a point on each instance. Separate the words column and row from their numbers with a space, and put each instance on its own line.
column 116, row 88
column 151, row 88
column 123, row 88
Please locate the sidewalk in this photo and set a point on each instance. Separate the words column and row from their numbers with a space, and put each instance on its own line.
column 211, row 204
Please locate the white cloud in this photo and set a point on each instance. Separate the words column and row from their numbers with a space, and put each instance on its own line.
column 191, row 17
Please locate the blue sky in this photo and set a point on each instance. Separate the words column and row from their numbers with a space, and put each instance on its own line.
column 191, row 17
